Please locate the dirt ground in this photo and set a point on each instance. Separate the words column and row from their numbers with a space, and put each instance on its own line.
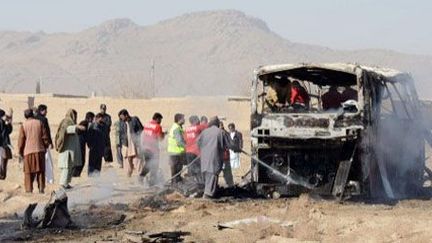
column 303, row 219
column 98, row 204
column 306, row 218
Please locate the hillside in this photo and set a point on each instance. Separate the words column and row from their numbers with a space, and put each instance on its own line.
column 204, row 53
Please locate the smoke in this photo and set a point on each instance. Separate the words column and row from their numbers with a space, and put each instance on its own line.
column 97, row 189
column 153, row 162
column 113, row 186
column 398, row 142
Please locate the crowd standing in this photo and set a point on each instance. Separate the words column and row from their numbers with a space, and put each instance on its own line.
column 203, row 146
column 5, row 142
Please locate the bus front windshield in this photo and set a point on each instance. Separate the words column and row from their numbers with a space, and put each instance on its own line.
column 302, row 96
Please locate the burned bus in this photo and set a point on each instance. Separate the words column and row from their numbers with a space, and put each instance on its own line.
column 357, row 131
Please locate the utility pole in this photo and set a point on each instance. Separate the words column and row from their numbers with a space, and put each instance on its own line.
column 152, row 78
column 38, row 85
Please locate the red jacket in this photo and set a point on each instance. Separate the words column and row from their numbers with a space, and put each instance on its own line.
column 203, row 126
column 191, row 135
column 299, row 96
column 152, row 134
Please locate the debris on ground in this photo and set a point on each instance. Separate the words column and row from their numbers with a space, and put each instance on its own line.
column 4, row 196
column 157, row 202
column 278, row 238
column 173, row 236
column 188, row 187
column 253, row 220
column 166, row 236
column 134, row 236
column 55, row 215
column 28, row 221
column 97, row 217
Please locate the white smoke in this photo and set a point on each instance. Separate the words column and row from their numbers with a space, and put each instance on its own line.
column 398, row 142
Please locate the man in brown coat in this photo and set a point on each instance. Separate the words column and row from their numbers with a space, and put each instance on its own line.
column 33, row 141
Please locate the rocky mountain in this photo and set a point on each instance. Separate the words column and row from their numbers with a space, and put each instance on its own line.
column 203, row 53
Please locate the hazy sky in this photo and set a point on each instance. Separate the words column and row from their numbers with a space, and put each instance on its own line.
column 400, row 25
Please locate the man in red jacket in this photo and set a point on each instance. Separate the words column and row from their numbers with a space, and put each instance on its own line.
column 192, row 150
column 203, row 122
column 299, row 96
column 151, row 136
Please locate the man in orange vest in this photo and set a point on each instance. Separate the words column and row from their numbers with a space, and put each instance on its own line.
column 192, row 150
column 151, row 136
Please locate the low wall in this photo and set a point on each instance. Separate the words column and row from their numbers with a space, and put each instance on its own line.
column 234, row 110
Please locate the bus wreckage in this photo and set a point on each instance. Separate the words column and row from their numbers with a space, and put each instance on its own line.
column 358, row 131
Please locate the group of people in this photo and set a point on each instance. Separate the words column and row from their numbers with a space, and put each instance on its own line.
column 283, row 93
column 139, row 146
column 333, row 98
column 205, row 147
column 5, row 142
column 35, row 142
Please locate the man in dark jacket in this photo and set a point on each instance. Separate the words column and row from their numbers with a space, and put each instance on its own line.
column 237, row 137
column 106, row 118
column 132, row 145
column 213, row 142
column 331, row 100
column 83, row 140
column 5, row 131
column 96, row 140
column 41, row 114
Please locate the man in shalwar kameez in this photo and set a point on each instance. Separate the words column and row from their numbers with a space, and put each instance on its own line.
column 213, row 143
column 33, row 141
column 68, row 145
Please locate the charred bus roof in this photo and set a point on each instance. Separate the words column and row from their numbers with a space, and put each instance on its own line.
column 329, row 73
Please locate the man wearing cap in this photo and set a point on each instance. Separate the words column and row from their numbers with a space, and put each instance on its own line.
column 106, row 118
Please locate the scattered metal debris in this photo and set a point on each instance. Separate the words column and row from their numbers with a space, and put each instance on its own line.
column 28, row 221
column 56, row 214
column 253, row 220
column 172, row 236
column 166, row 236
column 157, row 202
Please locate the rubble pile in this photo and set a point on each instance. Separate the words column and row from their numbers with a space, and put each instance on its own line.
column 157, row 202
column 99, row 217
column 55, row 215
column 166, row 237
